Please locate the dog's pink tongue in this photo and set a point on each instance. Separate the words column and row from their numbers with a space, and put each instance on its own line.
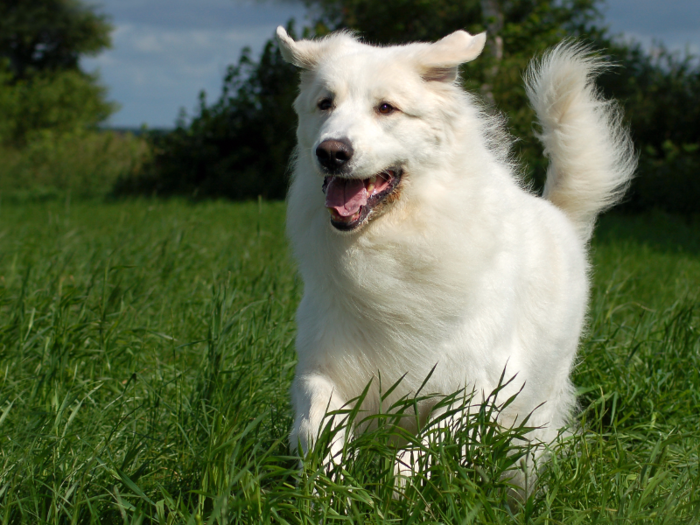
column 346, row 195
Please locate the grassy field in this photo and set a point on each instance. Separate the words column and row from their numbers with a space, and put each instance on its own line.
column 146, row 352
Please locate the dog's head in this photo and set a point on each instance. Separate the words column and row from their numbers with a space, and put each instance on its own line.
column 371, row 116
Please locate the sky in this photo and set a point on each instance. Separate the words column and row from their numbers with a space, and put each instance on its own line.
column 165, row 52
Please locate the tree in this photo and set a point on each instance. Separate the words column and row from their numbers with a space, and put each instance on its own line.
column 49, row 104
column 41, row 35
column 42, row 89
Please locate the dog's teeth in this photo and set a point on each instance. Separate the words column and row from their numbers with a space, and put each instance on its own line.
column 372, row 182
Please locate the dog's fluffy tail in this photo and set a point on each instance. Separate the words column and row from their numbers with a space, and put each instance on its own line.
column 591, row 156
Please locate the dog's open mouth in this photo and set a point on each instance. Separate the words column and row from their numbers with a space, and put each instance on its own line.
column 351, row 202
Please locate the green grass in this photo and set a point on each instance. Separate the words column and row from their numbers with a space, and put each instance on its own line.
column 146, row 352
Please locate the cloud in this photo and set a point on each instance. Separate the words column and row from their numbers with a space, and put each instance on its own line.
column 676, row 24
column 652, row 17
column 205, row 14
column 159, row 64
column 678, row 41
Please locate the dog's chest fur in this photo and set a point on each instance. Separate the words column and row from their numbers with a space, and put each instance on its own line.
column 396, row 302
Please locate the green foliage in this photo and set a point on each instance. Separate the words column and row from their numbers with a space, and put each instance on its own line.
column 529, row 25
column 48, row 105
column 41, row 35
column 48, row 144
column 55, row 102
column 49, row 108
column 237, row 148
column 79, row 164
column 659, row 93
column 146, row 352
column 398, row 21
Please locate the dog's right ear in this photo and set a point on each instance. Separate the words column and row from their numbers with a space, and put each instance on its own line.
column 304, row 53
column 440, row 60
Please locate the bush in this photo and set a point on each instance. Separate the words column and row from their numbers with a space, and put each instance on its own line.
column 51, row 101
column 667, row 179
column 82, row 164
column 50, row 109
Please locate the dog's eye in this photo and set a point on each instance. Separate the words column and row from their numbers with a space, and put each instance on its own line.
column 325, row 104
column 385, row 109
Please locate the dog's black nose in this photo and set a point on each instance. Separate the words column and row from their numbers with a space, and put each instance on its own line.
column 333, row 154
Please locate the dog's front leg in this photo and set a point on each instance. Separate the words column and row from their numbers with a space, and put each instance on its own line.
column 313, row 396
column 408, row 459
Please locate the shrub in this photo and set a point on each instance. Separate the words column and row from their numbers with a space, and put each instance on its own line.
column 82, row 164
column 53, row 101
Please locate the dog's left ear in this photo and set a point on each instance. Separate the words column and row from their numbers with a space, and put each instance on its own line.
column 439, row 61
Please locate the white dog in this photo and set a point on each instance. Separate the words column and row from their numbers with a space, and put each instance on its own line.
column 419, row 247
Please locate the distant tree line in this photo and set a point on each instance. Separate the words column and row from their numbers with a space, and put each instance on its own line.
column 239, row 146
